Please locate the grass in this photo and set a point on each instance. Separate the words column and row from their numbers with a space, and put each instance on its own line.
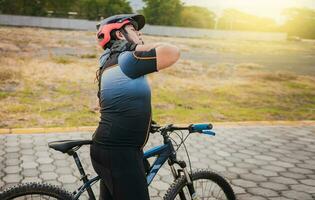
column 42, row 87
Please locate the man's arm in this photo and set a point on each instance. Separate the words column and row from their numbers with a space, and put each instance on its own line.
column 166, row 54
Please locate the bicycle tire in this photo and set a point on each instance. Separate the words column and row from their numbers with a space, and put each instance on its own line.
column 30, row 189
column 180, row 183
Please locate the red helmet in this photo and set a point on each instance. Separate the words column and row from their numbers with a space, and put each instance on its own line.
column 106, row 26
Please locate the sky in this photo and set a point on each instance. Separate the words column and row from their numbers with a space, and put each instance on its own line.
column 262, row 8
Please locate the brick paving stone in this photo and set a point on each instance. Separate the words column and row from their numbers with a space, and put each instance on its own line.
column 30, row 172
column 41, row 148
column 32, row 179
column 64, row 170
column 256, row 162
column 218, row 168
column 12, row 149
column 312, row 162
column 301, row 170
column 249, row 152
column 12, row 178
column 263, row 172
column 233, row 159
column 250, row 197
column 53, row 182
column 67, row 179
column 293, row 175
column 28, row 158
column 46, row 167
column 42, row 154
column 280, row 198
column 27, row 152
column 238, row 170
column 159, row 185
column 283, row 180
column 2, row 152
column 26, row 146
column 253, row 177
column 273, row 168
column 61, row 163
column 29, row 165
column 296, row 195
column 307, row 166
column 290, row 160
column 238, row 190
column 241, row 155
column 13, row 162
column 262, row 192
column 153, row 192
column 282, row 164
column 310, row 182
column 274, row 186
column 225, row 163
column 243, row 183
column 263, row 157
column 12, row 169
column 303, row 188
column 49, row 176
column 44, row 160
column 11, row 144
column 12, row 155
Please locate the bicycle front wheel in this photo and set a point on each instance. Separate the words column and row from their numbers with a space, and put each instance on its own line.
column 35, row 191
column 207, row 184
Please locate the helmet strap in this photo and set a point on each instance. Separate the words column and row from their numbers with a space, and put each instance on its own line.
column 126, row 35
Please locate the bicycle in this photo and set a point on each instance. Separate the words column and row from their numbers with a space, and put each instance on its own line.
column 186, row 185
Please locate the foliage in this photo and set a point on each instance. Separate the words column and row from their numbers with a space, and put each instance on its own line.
column 163, row 12
column 233, row 19
column 90, row 9
column 195, row 16
column 300, row 22
column 22, row 7
column 97, row 9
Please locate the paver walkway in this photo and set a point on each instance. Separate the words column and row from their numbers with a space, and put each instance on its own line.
column 261, row 162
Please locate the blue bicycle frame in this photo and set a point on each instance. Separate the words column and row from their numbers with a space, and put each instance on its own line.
column 162, row 152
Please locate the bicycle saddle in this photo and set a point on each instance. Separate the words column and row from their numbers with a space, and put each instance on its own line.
column 65, row 145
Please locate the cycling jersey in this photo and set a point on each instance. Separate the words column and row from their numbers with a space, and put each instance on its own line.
column 125, row 99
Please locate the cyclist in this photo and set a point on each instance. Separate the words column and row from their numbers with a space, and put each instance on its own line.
column 125, row 105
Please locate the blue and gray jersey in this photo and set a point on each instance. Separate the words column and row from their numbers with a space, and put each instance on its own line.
column 125, row 99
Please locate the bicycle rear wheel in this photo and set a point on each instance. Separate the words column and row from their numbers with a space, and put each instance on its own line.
column 207, row 184
column 35, row 191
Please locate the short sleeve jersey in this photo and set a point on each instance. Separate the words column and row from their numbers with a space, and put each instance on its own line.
column 125, row 98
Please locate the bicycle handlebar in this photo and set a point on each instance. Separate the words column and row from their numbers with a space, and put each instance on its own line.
column 200, row 128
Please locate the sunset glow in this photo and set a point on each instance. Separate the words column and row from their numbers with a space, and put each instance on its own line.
column 263, row 8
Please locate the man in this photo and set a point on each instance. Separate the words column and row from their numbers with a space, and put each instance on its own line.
column 125, row 105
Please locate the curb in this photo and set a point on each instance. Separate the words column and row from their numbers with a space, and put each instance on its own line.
column 93, row 128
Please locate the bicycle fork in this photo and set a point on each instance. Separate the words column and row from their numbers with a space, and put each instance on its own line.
column 190, row 184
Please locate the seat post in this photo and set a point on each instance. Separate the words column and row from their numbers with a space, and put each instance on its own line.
column 82, row 172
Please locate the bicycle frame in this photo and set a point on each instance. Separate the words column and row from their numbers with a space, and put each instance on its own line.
column 162, row 153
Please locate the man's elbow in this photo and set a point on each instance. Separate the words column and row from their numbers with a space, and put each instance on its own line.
column 167, row 55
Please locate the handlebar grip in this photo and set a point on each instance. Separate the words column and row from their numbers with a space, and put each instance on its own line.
column 201, row 127
column 208, row 132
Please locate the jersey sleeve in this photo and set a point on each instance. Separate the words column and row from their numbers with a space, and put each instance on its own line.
column 137, row 63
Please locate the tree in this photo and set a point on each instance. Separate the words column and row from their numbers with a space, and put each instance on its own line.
column 233, row 19
column 194, row 16
column 97, row 9
column 23, row 7
column 300, row 22
column 163, row 12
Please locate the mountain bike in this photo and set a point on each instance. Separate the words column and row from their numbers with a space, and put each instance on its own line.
column 188, row 184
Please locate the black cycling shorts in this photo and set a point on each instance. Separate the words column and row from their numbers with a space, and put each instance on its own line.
column 122, row 173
